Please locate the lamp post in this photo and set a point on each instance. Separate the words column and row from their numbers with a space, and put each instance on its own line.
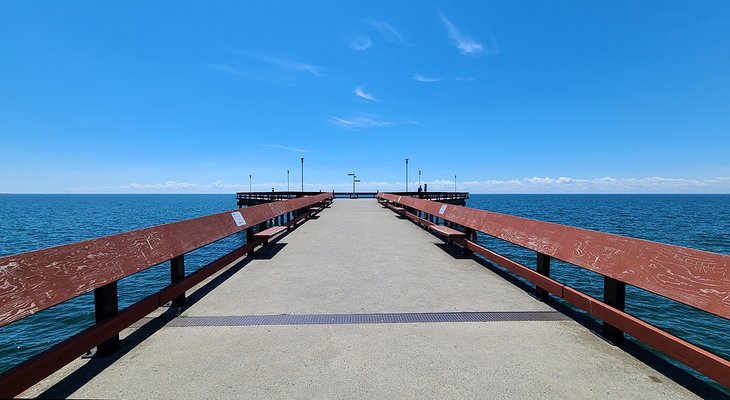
column 406, row 175
column 353, row 182
column 302, row 158
column 249, row 183
column 454, row 183
column 287, row 180
column 419, row 178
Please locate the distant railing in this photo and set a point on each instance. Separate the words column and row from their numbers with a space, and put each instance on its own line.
column 435, row 196
column 37, row 280
column 696, row 278
column 253, row 198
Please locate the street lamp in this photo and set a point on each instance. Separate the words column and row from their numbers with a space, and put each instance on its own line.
column 302, row 158
column 454, row 183
column 249, row 183
column 419, row 178
column 287, row 180
column 353, row 182
column 406, row 175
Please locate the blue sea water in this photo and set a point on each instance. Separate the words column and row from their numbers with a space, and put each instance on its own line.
column 30, row 222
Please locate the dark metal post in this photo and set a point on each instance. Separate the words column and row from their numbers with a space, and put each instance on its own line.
column 106, row 304
column 470, row 235
column 614, row 294
column 177, row 272
column 543, row 267
column 249, row 239
column 406, row 175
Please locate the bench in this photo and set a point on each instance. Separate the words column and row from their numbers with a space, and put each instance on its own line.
column 447, row 232
column 400, row 210
column 269, row 233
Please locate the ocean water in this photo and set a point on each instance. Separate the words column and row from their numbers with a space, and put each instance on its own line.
column 30, row 222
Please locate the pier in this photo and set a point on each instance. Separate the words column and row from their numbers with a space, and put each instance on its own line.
column 358, row 298
column 247, row 199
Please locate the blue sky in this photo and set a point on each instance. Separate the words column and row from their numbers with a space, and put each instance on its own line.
column 512, row 96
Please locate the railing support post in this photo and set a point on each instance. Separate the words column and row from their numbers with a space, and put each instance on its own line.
column 249, row 239
column 470, row 235
column 106, row 304
column 177, row 272
column 543, row 267
column 614, row 294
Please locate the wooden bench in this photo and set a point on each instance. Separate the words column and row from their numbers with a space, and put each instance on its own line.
column 269, row 233
column 447, row 232
column 400, row 210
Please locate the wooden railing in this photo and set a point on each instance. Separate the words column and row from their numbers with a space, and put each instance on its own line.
column 696, row 278
column 34, row 281
column 436, row 196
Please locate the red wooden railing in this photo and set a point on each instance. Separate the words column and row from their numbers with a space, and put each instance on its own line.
column 697, row 278
column 36, row 280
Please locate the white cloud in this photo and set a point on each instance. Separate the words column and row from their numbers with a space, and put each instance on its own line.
column 361, row 122
column 422, row 78
column 516, row 185
column 359, row 92
column 596, row 185
column 387, row 31
column 429, row 79
column 228, row 69
column 281, row 147
column 360, row 43
column 466, row 44
column 273, row 67
column 286, row 62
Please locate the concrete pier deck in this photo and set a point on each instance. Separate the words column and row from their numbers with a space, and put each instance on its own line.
column 358, row 258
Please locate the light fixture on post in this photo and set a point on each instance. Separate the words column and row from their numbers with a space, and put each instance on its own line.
column 353, row 182
column 406, row 175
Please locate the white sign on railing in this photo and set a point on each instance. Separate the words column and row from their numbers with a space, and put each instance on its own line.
column 238, row 218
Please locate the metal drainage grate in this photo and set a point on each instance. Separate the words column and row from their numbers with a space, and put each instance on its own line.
column 393, row 318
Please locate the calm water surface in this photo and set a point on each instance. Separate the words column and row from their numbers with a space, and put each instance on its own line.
column 30, row 222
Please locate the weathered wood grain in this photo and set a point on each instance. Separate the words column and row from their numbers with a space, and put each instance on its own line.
column 698, row 278
column 33, row 281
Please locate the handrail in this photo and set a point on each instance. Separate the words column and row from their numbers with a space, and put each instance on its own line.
column 697, row 278
column 40, row 279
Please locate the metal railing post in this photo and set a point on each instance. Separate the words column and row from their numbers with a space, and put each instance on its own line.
column 614, row 294
column 106, row 304
column 543, row 267
column 249, row 239
column 177, row 272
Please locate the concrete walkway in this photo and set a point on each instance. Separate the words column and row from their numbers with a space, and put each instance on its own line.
column 358, row 258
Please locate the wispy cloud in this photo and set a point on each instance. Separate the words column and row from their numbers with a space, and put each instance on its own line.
column 360, row 43
column 596, row 185
column 229, row 69
column 362, row 122
column 517, row 185
column 387, row 31
column 359, row 92
column 422, row 78
column 294, row 149
column 288, row 63
column 429, row 79
column 273, row 67
column 466, row 44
